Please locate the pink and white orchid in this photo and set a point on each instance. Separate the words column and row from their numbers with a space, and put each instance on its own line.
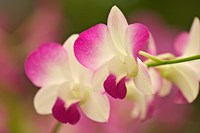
column 65, row 84
column 185, row 75
column 115, row 46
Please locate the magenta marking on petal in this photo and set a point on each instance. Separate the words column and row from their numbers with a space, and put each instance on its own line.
column 110, row 86
column 59, row 112
column 139, row 37
column 64, row 115
column 116, row 90
column 37, row 62
column 121, row 88
column 181, row 42
column 89, row 46
column 179, row 98
column 73, row 114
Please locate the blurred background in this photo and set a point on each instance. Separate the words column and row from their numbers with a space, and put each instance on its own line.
column 25, row 24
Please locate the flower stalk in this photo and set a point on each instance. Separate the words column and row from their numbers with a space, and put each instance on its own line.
column 158, row 62
column 56, row 128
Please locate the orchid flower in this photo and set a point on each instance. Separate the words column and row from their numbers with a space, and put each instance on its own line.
column 65, row 84
column 114, row 48
column 184, row 75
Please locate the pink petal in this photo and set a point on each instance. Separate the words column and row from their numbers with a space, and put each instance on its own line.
column 151, row 48
column 117, row 26
column 181, row 42
column 93, row 47
column 47, row 65
column 136, row 37
column 64, row 115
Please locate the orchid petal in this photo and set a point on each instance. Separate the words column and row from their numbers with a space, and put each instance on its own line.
column 96, row 107
column 48, row 64
column 115, row 88
column 64, row 115
column 117, row 67
column 73, row 114
column 68, row 45
column 131, row 65
column 193, row 45
column 194, row 65
column 69, row 93
column 78, row 71
column 187, row 81
column 110, row 85
column 59, row 112
column 181, row 43
column 45, row 99
column 94, row 46
column 151, row 47
column 136, row 37
column 156, row 79
column 135, row 95
column 121, row 88
column 117, row 25
column 143, row 80
column 166, row 88
column 185, row 78
column 99, row 77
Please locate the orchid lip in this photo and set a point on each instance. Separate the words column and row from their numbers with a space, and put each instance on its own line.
column 114, row 89
column 69, row 115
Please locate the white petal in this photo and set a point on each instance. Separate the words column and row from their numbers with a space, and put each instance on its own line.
column 194, row 65
column 193, row 46
column 132, row 67
column 68, row 45
column 117, row 25
column 117, row 67
column 96, row 107
column 185, row 78
column 166, row 88
column 140, row 103
column 156, row 79
column 77, row 70
column 99, row 77
column 143, row 80
column 70, row 93
column 45, row 99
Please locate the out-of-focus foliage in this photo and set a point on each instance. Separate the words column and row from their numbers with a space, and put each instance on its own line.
column 83, row 14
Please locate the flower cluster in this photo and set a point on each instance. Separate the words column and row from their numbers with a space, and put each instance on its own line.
column 104, row 61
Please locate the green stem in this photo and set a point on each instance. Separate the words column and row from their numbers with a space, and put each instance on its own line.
column 56, row 128
column 149, row 56
column 173, row 61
